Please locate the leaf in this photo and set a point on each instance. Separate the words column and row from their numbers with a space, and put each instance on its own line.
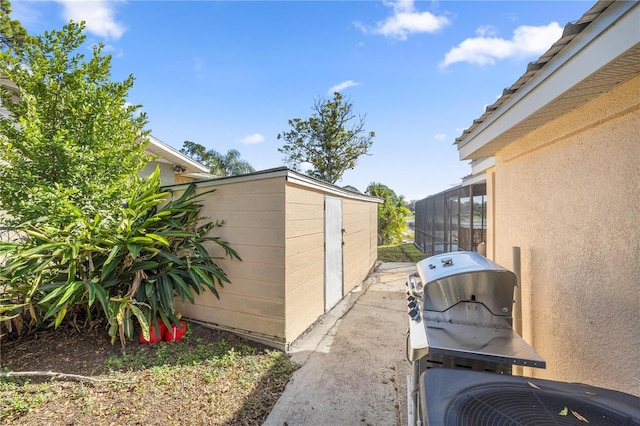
column 145, row 265
column 61, row 315
column 112, row 254
column 158, row 238
column 533, row 385
column 139, row 240
column 564, row 412
column 134, row 249
column 579, row 417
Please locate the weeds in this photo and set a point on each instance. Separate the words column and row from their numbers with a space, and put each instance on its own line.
column 194, row 381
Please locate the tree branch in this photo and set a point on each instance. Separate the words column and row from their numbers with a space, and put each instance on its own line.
column 73, row 377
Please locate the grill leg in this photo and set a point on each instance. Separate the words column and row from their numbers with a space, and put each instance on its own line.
column 414, row 395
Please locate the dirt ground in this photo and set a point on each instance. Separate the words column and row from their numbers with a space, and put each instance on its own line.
column 204, row 394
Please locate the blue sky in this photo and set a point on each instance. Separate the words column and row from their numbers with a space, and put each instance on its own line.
column 229, row 75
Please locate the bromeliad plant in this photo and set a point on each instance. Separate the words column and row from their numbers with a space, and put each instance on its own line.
column 128, row 267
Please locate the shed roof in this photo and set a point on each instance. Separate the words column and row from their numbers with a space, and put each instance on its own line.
column 290, row 176
column 595, row 53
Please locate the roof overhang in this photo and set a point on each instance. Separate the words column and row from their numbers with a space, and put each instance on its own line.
column 596, row 53
column 170, row 155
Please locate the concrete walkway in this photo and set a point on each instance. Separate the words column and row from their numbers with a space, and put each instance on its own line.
column 352, row 362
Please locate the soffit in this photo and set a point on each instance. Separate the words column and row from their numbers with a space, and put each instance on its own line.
column 619, row 70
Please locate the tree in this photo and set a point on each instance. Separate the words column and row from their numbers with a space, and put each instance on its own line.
column 229, row 164
column 12, row 33
column 93, row 240
column 392, row 214
column 325, row 141
column 68, row 136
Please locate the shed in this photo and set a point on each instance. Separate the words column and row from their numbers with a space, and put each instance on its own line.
column 304, row 244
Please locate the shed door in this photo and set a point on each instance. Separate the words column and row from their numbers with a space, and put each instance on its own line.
column 332, row 251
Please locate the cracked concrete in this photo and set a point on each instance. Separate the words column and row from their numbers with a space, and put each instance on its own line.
column 353, row 368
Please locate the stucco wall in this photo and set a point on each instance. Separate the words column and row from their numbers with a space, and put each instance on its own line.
column 569, row 196
column 167, row 175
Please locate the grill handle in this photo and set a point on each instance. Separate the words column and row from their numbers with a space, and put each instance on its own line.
column 416, row 288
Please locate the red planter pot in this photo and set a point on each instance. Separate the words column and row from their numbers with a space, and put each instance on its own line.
column 175, row 333
column 155, row 336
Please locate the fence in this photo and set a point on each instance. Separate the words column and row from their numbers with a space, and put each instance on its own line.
column 452, row 220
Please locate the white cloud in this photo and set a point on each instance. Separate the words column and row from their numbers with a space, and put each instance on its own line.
column 487, row 31
column 340, row 87
column 114, row 51
column 440, row 136
column 404, row 21
column 252, row 139
column 99, row 16
column 527, row 41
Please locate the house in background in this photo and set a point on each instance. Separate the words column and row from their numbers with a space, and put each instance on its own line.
column 304, row 245
column 563, row 197
column 175, row 167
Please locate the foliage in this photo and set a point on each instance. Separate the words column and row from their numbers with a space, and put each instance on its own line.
column 400, row 253
column 229, row 164
column 392, row 214
column 134, row 267
column 325, row 141
column 222, row 380
column 69, row 135
column 12, row 33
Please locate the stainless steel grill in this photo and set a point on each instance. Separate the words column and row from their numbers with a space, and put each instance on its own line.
column 460, row 309
column 460, row 335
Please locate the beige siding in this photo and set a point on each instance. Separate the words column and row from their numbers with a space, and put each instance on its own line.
column 305, row 252
column 277, row 227
column 360, row 245
column 254, row 216
column 304, row 259
column 568, row 195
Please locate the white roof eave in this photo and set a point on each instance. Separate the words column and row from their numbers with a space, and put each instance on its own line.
column 610, row 35
column 173, row 156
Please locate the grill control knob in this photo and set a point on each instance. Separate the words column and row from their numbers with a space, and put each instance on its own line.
column 412, row 305
column 414, row 314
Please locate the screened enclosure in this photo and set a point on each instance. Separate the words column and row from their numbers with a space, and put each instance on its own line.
column 453, row 220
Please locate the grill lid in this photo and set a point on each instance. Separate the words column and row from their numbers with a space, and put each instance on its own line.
column 463, row 276
column 466, row 305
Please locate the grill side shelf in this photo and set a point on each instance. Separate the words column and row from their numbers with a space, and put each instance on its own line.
column 498, row 345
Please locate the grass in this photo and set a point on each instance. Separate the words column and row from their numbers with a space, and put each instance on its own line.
column 198, row 380
column 400, row 253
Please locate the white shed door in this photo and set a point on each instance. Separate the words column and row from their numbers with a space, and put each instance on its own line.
column 332, row 251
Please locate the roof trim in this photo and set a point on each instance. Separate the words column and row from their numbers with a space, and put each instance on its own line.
column 289, row 175
column 481, row 165
column 608, row 28
column 173, row 156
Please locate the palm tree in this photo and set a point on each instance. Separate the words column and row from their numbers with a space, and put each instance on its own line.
column 229, row 164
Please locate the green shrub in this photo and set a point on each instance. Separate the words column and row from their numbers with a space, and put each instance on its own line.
column 130, row 265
